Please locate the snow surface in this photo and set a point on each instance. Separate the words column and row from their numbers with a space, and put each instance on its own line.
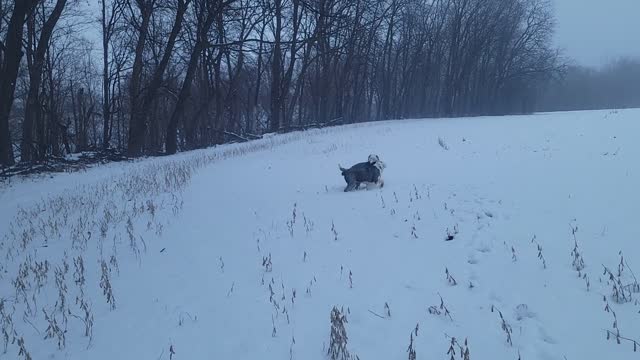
column 190, row 283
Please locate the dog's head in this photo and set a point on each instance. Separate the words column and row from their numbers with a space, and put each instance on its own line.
column 375, row 161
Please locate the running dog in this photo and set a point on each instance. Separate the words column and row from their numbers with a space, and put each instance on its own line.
column 366, row 172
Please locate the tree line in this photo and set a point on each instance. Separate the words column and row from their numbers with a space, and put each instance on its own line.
column 613, row 86
column 170, row 75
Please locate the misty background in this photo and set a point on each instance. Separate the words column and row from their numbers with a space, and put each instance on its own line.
column 150, row 77
column 601, row 43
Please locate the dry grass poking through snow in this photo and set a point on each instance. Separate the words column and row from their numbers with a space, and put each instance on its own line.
column 65, row 249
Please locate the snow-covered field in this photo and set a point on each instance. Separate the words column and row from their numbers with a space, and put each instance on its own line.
column 242, row 251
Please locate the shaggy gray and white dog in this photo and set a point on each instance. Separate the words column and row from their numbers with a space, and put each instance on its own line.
column 369, row 172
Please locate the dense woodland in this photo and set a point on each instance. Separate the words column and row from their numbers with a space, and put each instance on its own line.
column 170, row 75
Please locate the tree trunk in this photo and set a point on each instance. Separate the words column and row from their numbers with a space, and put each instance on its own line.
column 11, row 54
column 171, row 145
column 276, row 71
column 136, row 122
column 138, row 126
column 106, row 85
column 33, row 111
column 259, row 71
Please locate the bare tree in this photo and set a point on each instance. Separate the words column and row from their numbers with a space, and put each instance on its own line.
column 205, row 12
column 141, row 101
column 10, row 57
column 33, row 110
column 108, row 21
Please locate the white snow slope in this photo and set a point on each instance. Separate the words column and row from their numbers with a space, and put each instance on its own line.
column 242, row 251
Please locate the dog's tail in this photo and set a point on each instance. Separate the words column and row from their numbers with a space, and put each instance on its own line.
column 342, row 169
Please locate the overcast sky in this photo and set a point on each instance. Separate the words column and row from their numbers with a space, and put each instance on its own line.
column 594, row 32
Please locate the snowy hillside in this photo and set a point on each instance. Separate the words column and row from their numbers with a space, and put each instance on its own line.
column 242, row 251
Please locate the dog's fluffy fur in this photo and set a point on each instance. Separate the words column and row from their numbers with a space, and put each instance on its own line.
column 369, row 172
